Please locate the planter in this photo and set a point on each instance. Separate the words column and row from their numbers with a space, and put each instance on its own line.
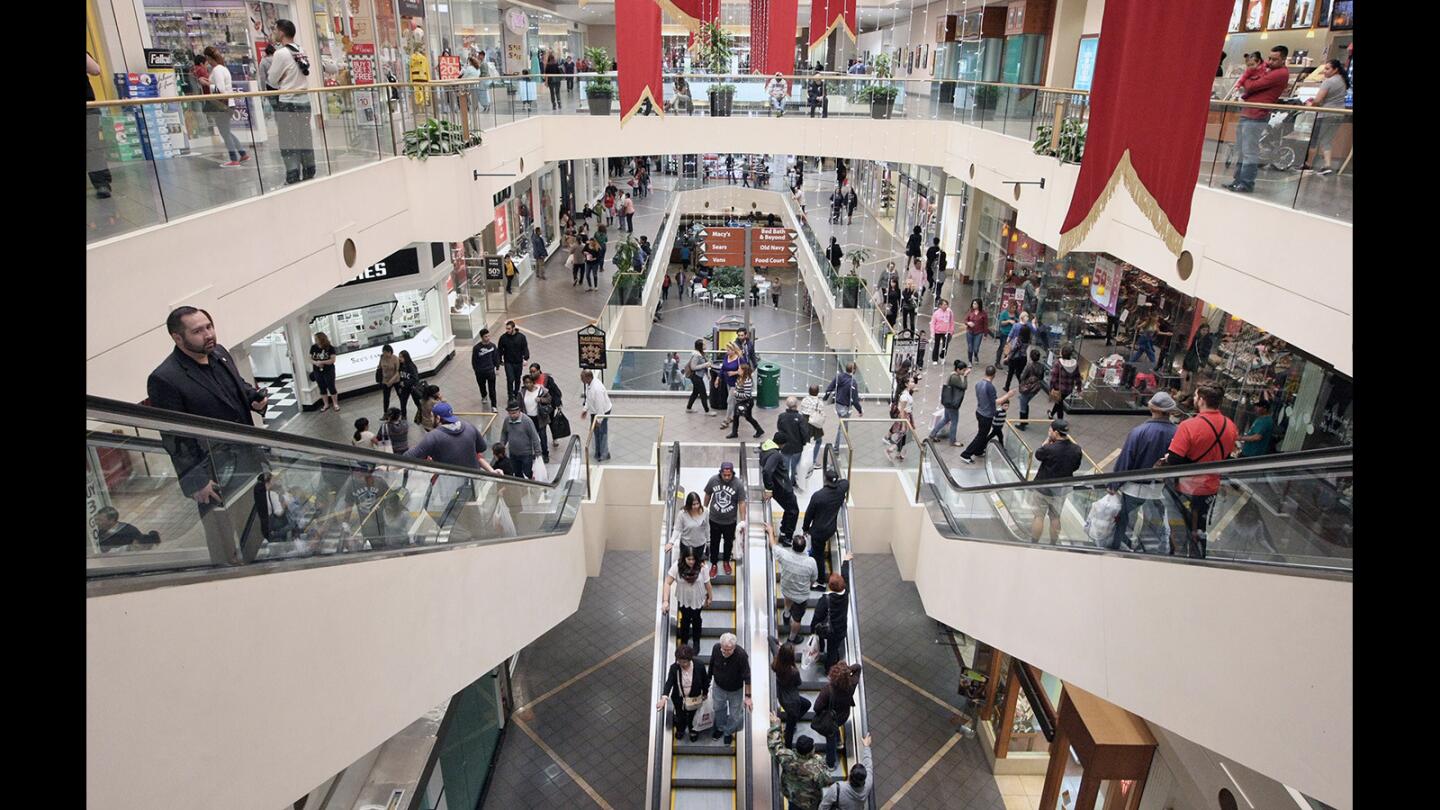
column 881, row 108
column 850, row 297
column 600, row 105
column 721, row 101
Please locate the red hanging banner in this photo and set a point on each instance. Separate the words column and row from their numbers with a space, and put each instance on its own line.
column 637, row 47
column 691, row 13
column 1147, row 119
column 772, row 36
column 826, row 14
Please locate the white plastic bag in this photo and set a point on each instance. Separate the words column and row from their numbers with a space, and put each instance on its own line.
column 538, row 470
column 705, row 715
column 812, row 651
column 938, row 418
column 1100, row 521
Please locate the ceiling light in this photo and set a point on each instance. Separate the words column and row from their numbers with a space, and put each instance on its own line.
column 1070, row 275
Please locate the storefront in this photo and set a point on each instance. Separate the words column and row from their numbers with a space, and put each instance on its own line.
column 875, row 183
column 399, row 301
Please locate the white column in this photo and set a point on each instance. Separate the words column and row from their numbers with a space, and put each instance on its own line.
column 1065, row 42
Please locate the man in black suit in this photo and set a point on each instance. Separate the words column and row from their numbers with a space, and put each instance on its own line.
column 200, row 378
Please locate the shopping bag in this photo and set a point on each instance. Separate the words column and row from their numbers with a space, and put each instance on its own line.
column 1100, row 521
column 559, row 425
column 939, row 417
column 537, row 469
column 812, row 651
column 705, row 716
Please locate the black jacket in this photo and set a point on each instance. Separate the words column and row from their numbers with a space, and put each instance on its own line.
column 483, row 357
column 513, row 348
column 794, row 429
column 733, row 670
column 912, row 245
column 699, row 682
column 834, row 608
column 839, row 702
column 553, row 388
column 834, row 254
column 180, row 384
column 774, row 472
column 824, row 509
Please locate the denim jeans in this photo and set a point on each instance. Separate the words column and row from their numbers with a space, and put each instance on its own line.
column 1143, row 345
column 1025, row 401
column 952, row 418
column 602, row 439
column 1247, row 135
column 729, row 708
column 1152, row 511
column 793, row 460
column 972, row 343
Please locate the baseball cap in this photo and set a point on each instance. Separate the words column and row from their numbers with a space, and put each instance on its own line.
column 444, row 413
column 512, row 405
column 1060, row 426
column 727, row 466
column 1163, row 401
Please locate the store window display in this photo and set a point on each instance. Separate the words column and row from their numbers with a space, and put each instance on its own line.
column 409, row 320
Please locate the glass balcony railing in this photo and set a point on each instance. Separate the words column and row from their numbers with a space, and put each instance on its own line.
column 271, row 497
column 150, row 161
column 1288, row 512
column 656, row 371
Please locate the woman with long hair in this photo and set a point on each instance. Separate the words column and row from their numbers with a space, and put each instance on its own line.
column 745, row 402
column 977, row 325
column 692, row 527
column 1330, row 96
column 686, row 685
column 793, row 705
column 322, row 371
column 909, row 303
column 387, row 373
column 219, row 111
column 693, row 595
column 409, row 384
column 1020, row 338
column 837, row 697
column 902, row 409
column 364, row 437
column 892, row 301
column 730, row 374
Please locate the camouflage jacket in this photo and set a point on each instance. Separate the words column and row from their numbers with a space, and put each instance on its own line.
column 802, row 778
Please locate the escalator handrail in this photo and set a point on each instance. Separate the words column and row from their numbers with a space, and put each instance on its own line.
column 859, row 716
column 1322, row 458
column 772, row 629
column 654, row 786
column 743, row 758
column 146, row 417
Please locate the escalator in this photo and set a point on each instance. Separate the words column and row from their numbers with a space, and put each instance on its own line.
column 1286, row 513
column 812, row 675
column 705, row 774
column 283, row 502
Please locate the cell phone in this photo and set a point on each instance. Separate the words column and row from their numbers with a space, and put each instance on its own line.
column 260, row 393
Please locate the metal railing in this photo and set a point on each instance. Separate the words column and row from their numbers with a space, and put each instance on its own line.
column 443, row 505
column 657, row 783
column 133, row 145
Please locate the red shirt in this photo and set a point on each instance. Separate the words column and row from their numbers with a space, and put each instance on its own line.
column 1263, row 88
column 976, row 323
column 1196, row 439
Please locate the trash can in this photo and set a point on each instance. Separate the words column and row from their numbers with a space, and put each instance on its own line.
column 769, row 390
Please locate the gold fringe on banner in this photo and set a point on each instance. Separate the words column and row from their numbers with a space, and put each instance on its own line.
column 839, row 20
column 1124, row 171
column 644, row 94
column 691, row 24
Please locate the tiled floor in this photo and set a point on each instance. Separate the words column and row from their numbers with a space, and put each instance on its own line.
column 1021, row 792
column 553, row 304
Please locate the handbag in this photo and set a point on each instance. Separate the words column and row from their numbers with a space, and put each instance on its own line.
column 383, row 443
column 312, row 375
column 559, row 425
column 693, row 703
column 216, row 105
column 705, row 715
column 379, row 378
column 823, row 723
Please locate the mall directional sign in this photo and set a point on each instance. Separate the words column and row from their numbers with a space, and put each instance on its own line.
column 772, row 247
column 722, row 247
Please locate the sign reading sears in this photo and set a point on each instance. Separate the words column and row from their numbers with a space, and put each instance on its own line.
column 403, row 262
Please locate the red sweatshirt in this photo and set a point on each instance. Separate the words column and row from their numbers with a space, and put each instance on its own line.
column 1263, row 88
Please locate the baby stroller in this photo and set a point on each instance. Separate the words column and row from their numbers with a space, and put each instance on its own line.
column 1274, row 152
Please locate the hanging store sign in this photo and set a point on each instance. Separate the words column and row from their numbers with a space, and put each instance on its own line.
column 722, row 247
column 159, row 59
column 590, row 341
column 403, row 262
column 904, row 350
column 362, row 64
column 1105, row 284
column 494, row 268
column 773, row 247
column 412, row 8
column 449, row 67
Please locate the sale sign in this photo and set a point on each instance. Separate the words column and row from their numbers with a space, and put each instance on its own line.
column 1105, row 284
column 362, row 63
column 449, row 68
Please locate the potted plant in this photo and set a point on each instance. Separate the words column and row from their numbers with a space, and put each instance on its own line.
column 437, row 138
column 600, row 91
column 716, row 45
column 850, row 283
column 727, row 281
column 987, row 97
column 881, row 98
column 1072, row 140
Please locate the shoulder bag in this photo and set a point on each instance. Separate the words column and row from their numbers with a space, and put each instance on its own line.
column 824, row 723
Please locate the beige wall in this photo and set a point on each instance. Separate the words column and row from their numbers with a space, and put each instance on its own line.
column 601, row 36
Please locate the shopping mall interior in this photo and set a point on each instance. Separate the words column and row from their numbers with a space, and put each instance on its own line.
column 475, row 404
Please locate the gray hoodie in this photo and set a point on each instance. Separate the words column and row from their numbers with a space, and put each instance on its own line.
column 841, row 795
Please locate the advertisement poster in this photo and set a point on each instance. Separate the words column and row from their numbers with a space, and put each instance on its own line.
column 1105, row 284
column 161, row 131
column 361, row 29
column 449, row 68
column 1085, row 62
column 502, row 228
column 362, row 63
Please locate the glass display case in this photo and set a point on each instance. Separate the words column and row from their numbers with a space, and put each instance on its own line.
column 408, row 320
